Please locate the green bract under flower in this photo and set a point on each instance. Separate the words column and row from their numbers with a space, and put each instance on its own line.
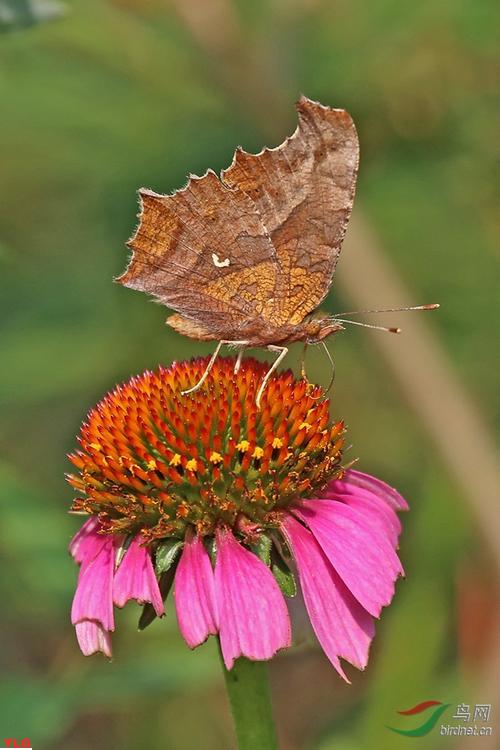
column 154, row 461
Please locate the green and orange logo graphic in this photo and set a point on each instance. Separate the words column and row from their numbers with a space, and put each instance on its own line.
column 429, row 723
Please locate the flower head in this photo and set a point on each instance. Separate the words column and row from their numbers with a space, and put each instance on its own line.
column 226, row 502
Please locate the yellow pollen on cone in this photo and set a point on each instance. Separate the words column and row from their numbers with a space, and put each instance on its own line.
column 215, row 458
column 175, row 460
column 305, row 426
column 151, row 464
column 243, row 446
column 258, row 452
column 277, row 442
column 192, row 464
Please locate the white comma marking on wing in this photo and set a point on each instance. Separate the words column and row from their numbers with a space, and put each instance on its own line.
column 220, row 263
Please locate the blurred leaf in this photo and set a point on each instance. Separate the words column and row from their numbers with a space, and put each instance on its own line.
column 284, row 576
column 211, row 546
column 120, row 552
column 263, row 549
column 148, row 613
column 166, row 554
column 17, row 14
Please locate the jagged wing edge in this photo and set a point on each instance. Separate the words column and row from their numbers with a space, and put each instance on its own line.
column 303, row 101
column 149, row 193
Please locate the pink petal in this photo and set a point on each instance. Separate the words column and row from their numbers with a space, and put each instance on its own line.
column 136, row 579
column 253, row 617
column 377, row 514
column 382, row 490
column 93, row 599
column 362, row 556
column 92, row 638
column 343, row 627
column 87, row 542
column 194, row 594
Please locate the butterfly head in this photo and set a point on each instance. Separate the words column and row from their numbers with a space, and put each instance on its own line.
column 318, row 328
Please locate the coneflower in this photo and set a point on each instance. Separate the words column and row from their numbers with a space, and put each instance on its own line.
column 228, row 504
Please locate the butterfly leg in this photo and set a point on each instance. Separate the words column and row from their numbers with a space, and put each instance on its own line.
column 332, row 363
column 283, row 351
column 237, row 364
column 303, row 373
column 211, row 364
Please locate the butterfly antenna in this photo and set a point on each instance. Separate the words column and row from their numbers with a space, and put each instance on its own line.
column 433, row 306
column 388, row 329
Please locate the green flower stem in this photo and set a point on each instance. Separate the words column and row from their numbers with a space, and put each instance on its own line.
column 247, row 685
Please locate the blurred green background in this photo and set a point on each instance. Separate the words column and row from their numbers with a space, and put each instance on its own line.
column 100, row 97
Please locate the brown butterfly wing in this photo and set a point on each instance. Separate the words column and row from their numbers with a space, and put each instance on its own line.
column 204, row 252
column 257, row 249
column 303, row 191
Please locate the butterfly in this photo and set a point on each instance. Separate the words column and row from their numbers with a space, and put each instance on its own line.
column 245, row 258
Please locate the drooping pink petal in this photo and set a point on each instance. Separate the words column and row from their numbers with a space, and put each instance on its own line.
column 253, row 617
column 343, row 627
column 93, row 599
column 382, row 490
column 93, row 638
column 377, row 513
column 136, row 579
column 87, row 542
column 363, row 557
column 194, row 593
